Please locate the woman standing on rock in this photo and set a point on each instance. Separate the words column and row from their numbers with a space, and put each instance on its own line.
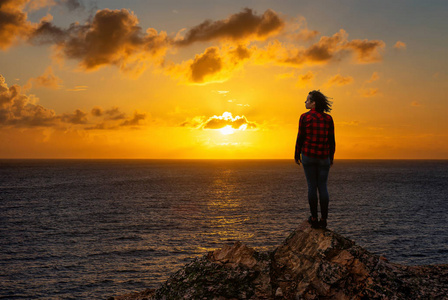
column 316, row 144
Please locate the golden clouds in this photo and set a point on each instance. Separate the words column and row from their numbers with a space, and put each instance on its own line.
column 114, row 37
column 226, row 120
column 240, row 26
column 20, row 110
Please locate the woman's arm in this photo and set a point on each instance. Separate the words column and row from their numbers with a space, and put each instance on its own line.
column 300, row 139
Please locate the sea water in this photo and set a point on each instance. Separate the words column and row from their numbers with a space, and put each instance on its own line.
column 91, row 229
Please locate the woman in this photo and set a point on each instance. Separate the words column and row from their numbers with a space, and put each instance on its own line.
column 316, row 144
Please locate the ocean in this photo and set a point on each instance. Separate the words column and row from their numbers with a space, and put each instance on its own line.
column 91, row 229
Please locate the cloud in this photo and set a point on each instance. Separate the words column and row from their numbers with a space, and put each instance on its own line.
column 13, row 22
column 74, row 5
column 347, row 123
column 20, row 110
column 214, row 65
column 113, row 37
column 48, row 80
column 297, row 30
column 78, row 117
column 305, row 79
column 237, row 27
column 78, row 88
column 97, row 111
column 195, row 122
column 327, row 49
column 237, row 122
column 375, row 76
column 371, row 92
column 366, row 51
column 135, row 120
column 339, row 80
column 219, row 122
column 399, row 45
column 206, row 64
column 285, row 75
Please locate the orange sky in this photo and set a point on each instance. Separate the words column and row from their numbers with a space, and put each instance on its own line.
column 215, row 79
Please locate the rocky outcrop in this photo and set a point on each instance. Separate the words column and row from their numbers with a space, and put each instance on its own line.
column 310, row 264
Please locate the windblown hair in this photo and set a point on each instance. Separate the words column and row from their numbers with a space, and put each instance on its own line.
column 322, row 102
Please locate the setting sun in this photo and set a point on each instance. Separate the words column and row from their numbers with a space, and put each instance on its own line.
column 227, row 130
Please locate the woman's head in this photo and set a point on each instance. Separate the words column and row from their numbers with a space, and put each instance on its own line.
column 322, row 104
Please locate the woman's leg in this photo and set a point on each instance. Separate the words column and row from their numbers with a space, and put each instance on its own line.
column 311, row 172
column 322, row 178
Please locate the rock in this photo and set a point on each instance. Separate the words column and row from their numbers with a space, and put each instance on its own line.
column 310, row 264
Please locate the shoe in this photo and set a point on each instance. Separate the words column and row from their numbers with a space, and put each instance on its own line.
column 314, row 223
column 323, row 223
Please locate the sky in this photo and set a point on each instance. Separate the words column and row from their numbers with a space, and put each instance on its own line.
column 211, row 79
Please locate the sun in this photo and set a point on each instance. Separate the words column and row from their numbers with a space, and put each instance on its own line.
column 227, row 130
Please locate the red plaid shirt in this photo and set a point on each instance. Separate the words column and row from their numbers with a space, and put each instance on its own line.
column 316, row 136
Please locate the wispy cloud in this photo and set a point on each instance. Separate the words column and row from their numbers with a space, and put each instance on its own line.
column 48, row 80
column 375, row 76
column 370, row 92
column 305, row 80
column 339, row 80
column 399, row 45
column 78, row 88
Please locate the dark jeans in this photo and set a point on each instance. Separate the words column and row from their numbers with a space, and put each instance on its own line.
column 316, row 172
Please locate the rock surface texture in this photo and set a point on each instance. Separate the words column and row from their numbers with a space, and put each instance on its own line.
column 310, row 264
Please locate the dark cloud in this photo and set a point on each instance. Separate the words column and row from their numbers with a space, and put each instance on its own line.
column 206, row 64
column 240, row 26
column 97, row 111
column 115, row 114
column 135, row 120
column 240, row 53
column 113, row 37
column 214, row 64
column 74, row 5
column 13, row 22
column 366, row 51
column 78, row 117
